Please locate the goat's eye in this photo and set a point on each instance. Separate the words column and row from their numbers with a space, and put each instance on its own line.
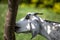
column 29, row 14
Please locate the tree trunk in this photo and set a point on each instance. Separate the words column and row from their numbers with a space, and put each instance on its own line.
column 10, row 20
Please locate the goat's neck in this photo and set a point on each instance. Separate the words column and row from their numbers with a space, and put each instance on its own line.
column 42, row 20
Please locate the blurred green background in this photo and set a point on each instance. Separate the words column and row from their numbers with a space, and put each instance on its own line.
column 49, row 8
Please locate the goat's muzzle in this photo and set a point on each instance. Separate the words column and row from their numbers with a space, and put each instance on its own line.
column 16, row 28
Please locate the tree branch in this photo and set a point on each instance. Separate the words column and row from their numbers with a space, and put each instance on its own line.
column 10, row 20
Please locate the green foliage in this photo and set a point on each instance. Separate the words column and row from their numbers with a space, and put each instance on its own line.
column 34, row 1
column 4, row 1
column 47, row 2
column 56, row 8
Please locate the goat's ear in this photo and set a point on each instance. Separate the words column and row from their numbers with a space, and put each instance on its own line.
column 38, row 14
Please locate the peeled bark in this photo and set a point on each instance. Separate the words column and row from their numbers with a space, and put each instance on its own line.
column 10, row 20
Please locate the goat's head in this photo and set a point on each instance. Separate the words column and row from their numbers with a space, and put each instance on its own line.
column 21, row 25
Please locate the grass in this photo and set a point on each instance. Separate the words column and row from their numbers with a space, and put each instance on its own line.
column 47, row 14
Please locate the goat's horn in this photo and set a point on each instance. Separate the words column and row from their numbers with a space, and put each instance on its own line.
column 38, row 14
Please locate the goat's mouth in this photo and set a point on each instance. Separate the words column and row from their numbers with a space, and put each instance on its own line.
column 16, row 28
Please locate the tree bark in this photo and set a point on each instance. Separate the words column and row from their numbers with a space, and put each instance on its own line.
column 10, row 20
